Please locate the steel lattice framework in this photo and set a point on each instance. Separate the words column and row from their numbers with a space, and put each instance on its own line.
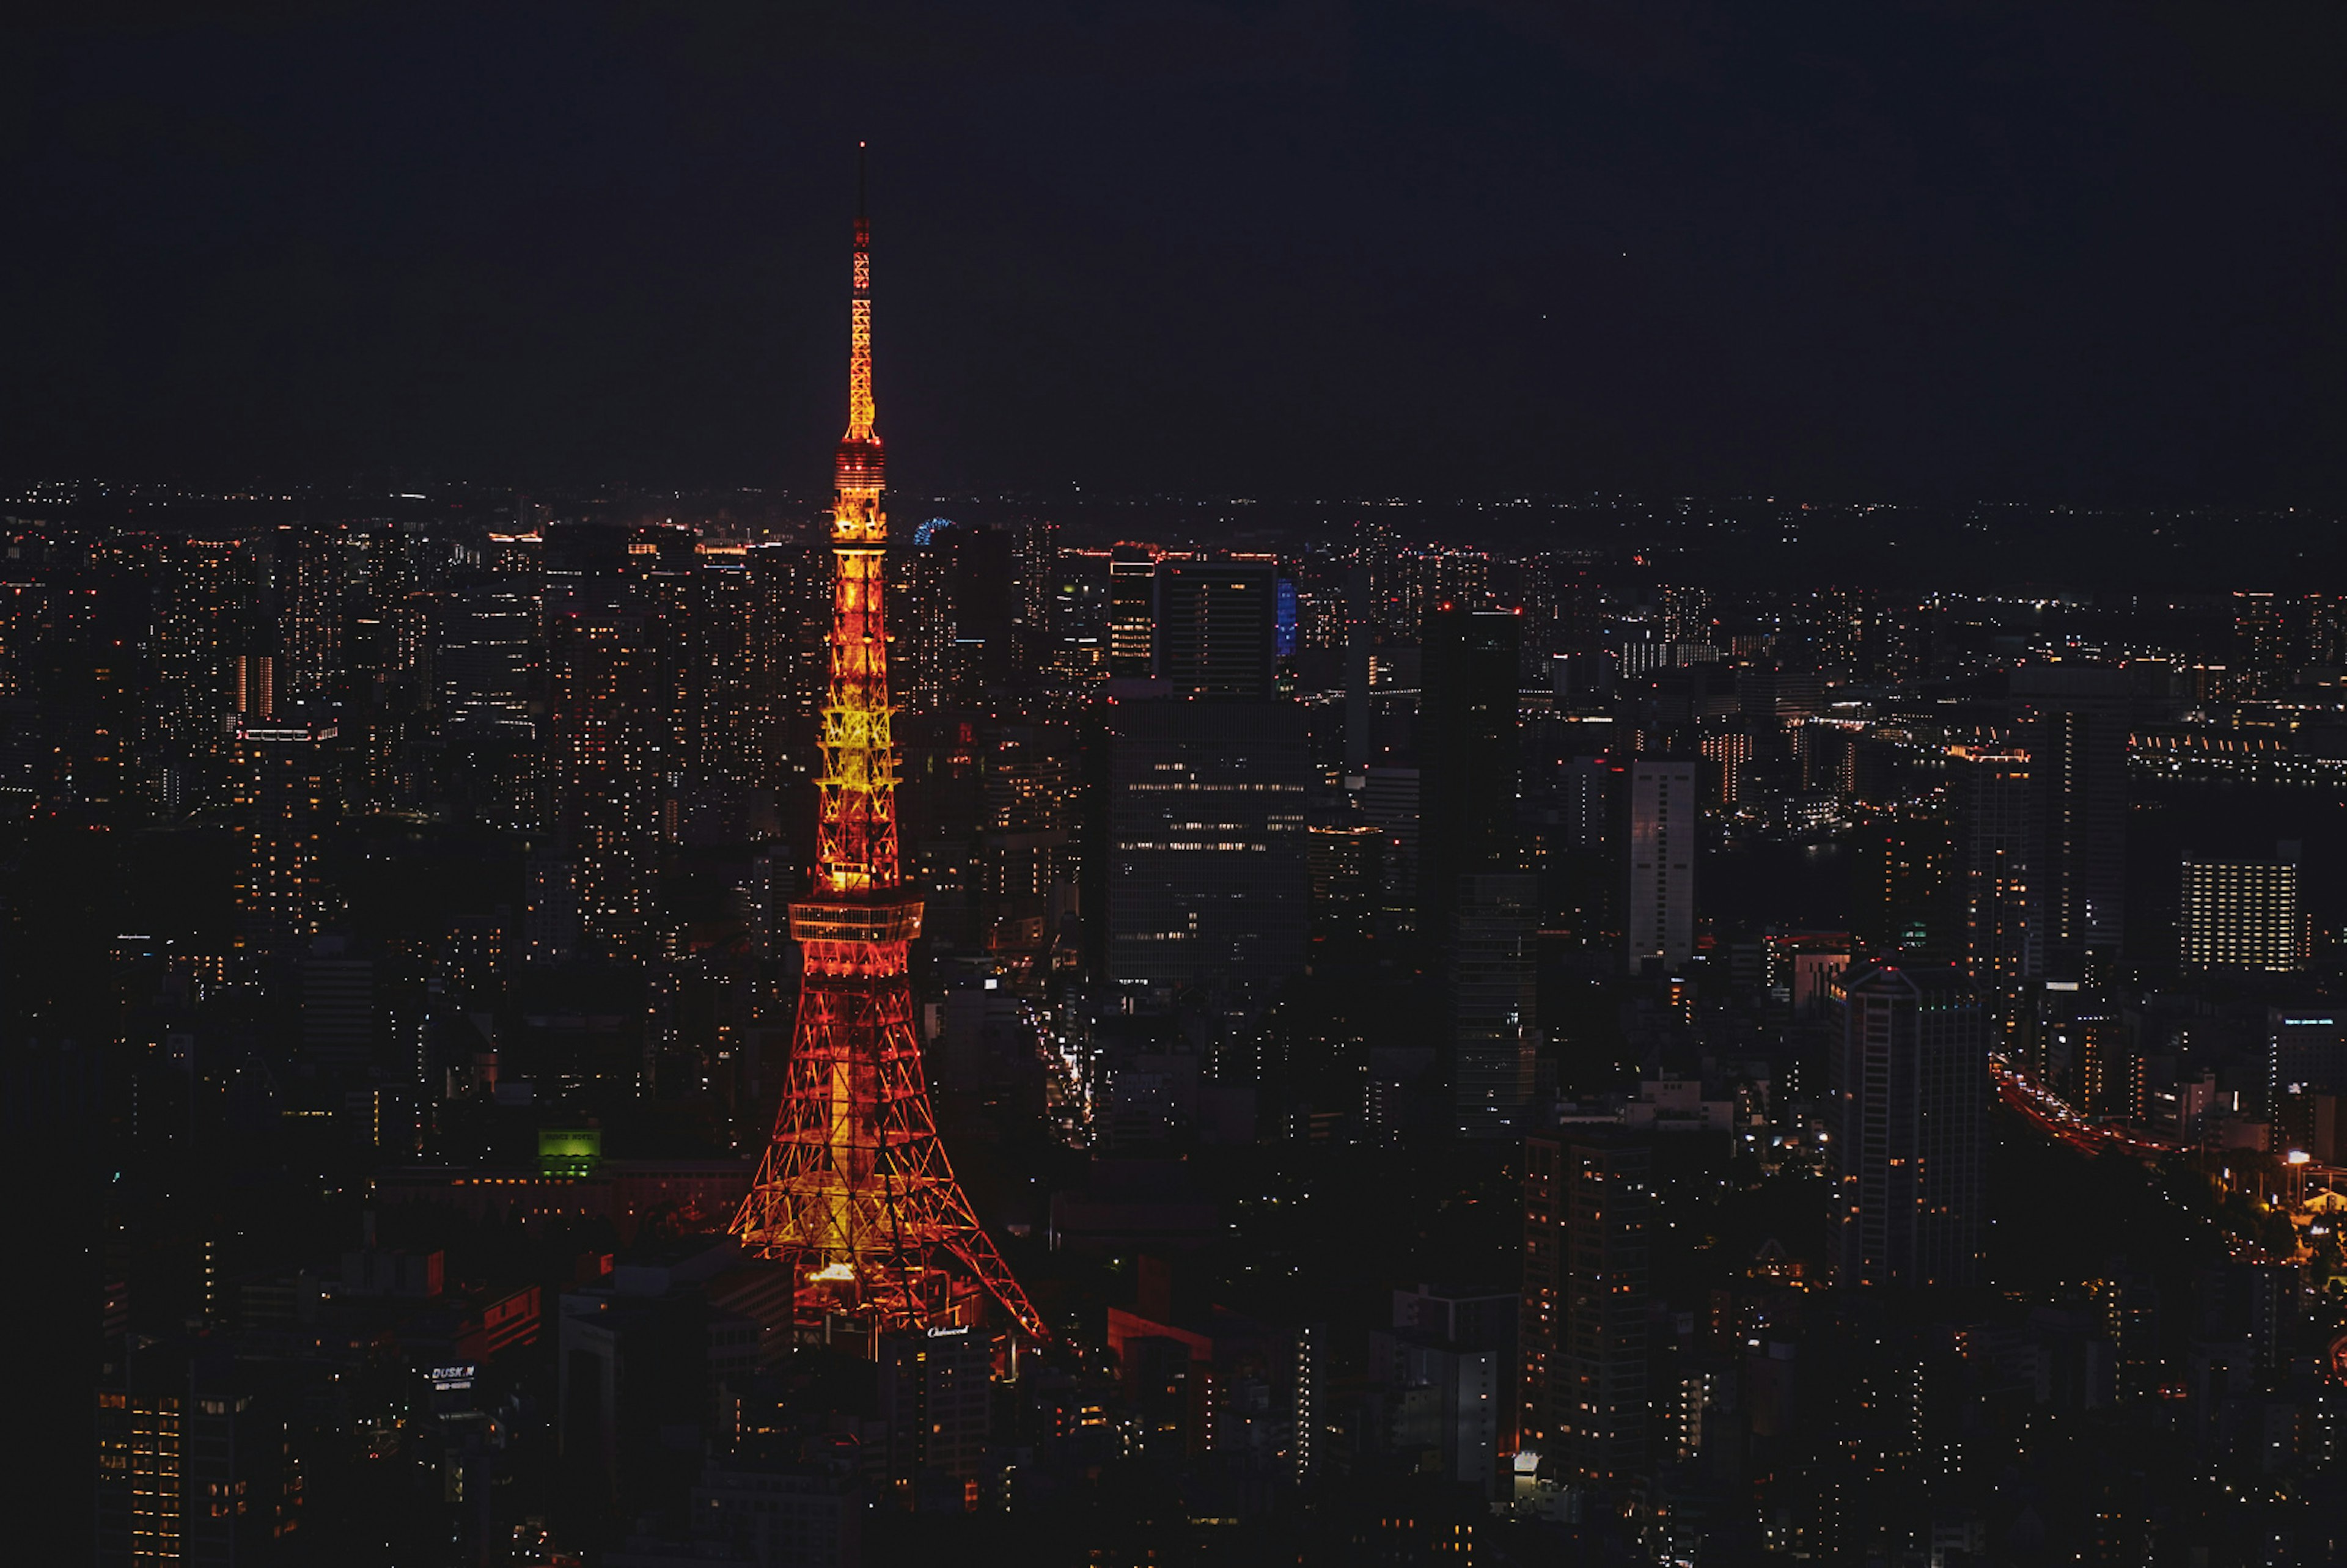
column 856, row 1192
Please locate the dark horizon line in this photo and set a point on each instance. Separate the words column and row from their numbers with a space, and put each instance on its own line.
column 264, row 488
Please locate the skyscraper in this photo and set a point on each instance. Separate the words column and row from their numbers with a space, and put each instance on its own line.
column 935, row 1394
column 1663, row 828
column 1216, row 626
column 1132, row 613
column 1467, row 756
column 2074, row 721
column 193, row 1465
column 2261, row 636
column 1494, row 996
column 1207, row 879
column 1994, row 811
column 487, row 663
column 790, row 615
column 2243, row 914
column 607, row 803
column 201, row 621
column 285, row 796
column 1910, row 1091
column 1586, row 1201
column 1361, row 634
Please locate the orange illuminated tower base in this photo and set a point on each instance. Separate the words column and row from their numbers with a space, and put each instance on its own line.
column 855, row 1191
column 856, row 1194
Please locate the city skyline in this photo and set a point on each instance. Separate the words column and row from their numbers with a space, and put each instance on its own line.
column 1451, row 890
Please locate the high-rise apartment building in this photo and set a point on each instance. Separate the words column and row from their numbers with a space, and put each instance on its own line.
column 2261, row 636
column 1423, row 580
column 1908, row 893
column 1034, row 562
column 310, row 573
column 1686, row 615
column 202, row 621
column 603, row 744
column 1994, row 818
column 286, row 798
column 1587, row 1197
column 725, row 735
column 2243, row 914
column 922, row 644
column 789, row 590
column 1206, row 876
column 1663, row 829
column 1910, row 1095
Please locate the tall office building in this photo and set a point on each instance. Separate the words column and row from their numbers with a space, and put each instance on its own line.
column 1584, row 1335
column 2306, row 1051
column 1132, row 613
column 1910, row 1095
column 983, row 587
column 1494, row 993
column 193, row 1466
column 1467, row 756
column 1216, row 627
column 2074, row 721
column 2243, row 914
column 1347, row 860
column 1477, row 1320
column 1206, row 874
column 1663, row 828
column 1389, row 803
column 487, row 663
column 1078, row 617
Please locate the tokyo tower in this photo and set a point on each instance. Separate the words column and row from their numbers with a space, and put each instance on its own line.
column 855, row 1193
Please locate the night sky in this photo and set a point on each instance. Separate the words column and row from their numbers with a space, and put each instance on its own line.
column 2039, row 251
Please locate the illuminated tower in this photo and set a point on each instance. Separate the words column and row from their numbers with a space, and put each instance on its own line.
column 856, row 1194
